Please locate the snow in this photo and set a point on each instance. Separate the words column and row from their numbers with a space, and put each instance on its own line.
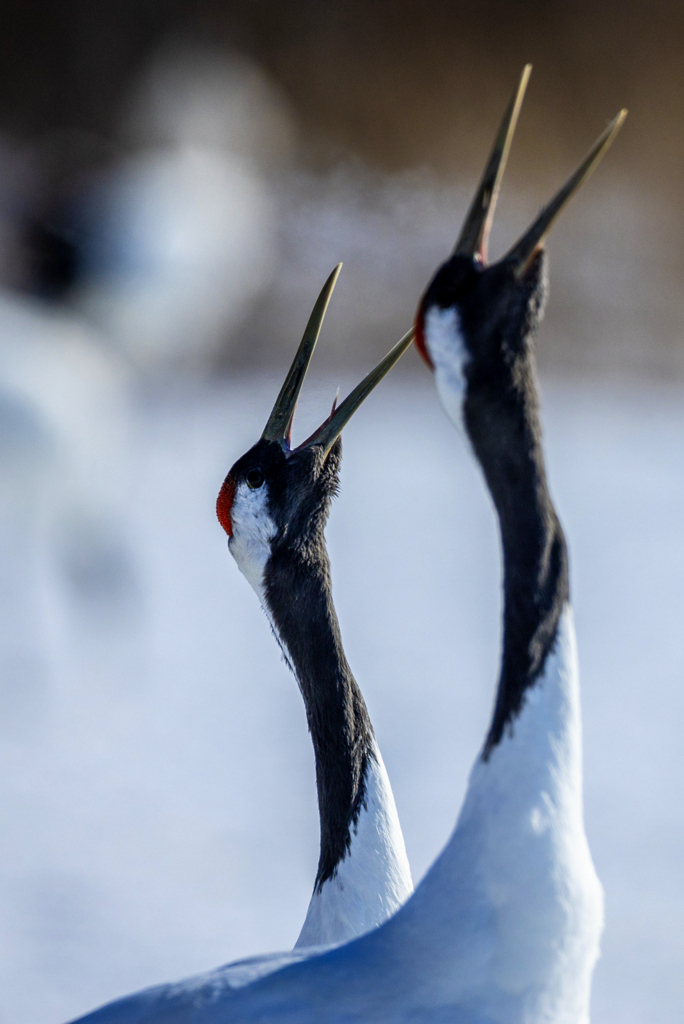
column 156, row 786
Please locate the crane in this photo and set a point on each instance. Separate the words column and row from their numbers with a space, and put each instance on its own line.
column 273, row 505
column 505, row 926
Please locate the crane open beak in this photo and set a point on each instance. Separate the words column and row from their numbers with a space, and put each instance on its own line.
column 279, row 425
column 475, row 232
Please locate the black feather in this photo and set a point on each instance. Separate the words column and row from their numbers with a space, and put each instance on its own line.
column 298, row 589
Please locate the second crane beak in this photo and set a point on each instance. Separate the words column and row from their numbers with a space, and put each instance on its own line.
column 279, row 425
column 475, row 231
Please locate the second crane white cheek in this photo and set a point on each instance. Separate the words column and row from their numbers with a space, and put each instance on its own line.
column 449, row 354
column 253, row 531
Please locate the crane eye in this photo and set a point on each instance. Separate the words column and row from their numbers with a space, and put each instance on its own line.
column 255, row 479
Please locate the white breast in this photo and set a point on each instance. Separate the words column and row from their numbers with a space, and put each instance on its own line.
column 514, row 899
column 449, row 355
column 253, row 531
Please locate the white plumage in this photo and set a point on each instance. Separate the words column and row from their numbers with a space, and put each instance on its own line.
column 449, row 356
column 503, row 929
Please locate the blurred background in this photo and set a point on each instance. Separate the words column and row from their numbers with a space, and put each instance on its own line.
column 176, row 181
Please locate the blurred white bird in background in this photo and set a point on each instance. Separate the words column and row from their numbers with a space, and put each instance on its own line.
column 183, row 229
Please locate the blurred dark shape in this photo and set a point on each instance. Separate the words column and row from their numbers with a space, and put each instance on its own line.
column 53, row 259
column 41, row 184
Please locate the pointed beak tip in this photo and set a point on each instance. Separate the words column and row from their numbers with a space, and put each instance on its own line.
column 330, row 430
column 525, row 249
column 279, row 425
column 474, row 235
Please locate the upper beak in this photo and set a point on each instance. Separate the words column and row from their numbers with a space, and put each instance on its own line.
column 475, row 232
column 279, row 425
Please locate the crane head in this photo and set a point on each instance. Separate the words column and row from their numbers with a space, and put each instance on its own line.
column 475, row 319
column 276, row 491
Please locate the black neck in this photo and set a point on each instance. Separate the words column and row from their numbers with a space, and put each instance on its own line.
column 299, row 596
column 505, row 430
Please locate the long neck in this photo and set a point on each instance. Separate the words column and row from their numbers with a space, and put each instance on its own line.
column 363, row 874
column 507, row 441
column 298, row 593
column 509, row 915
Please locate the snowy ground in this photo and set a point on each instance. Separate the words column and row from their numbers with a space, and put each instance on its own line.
column 156, row 783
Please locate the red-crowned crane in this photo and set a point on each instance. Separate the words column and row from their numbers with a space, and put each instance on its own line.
column 273, row 505
column 505, row 926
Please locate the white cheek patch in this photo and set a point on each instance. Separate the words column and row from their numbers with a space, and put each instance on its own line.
column 449, row 355
column 253, row 531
